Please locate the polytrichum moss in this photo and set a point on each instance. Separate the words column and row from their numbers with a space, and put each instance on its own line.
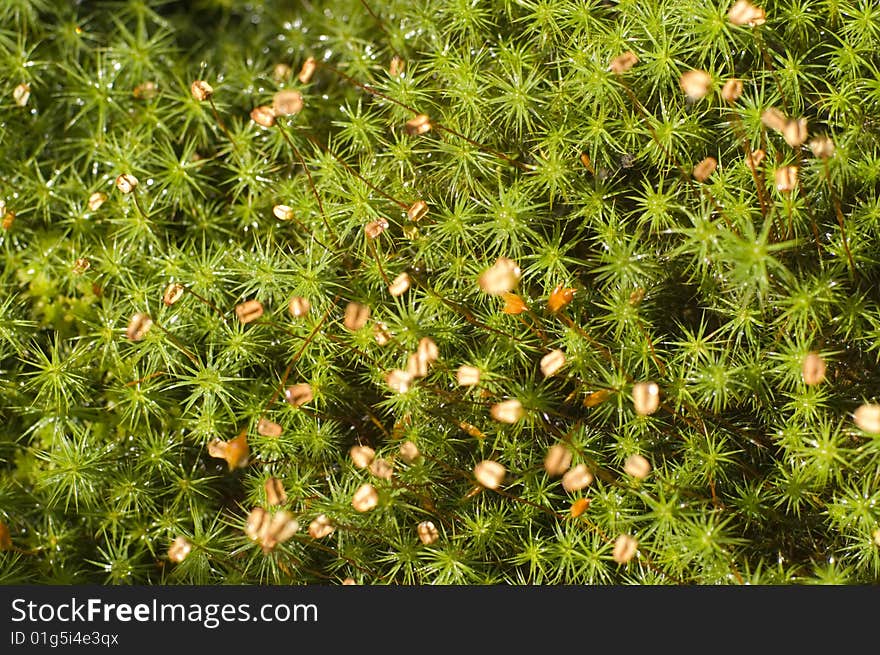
column 394, row 292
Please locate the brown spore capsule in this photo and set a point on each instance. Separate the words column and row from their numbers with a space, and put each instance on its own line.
column 298, row 306
column 507, row 411
column 596, row 397
column 823, row 147
column 419, row 124
column 254, row 523
column 409, row 452
column 399, row 285
column 321, row 527
column 179, row 549
column 500, row 278
column 173, row 292
column 138, row 326
column 283, row 212
column 267, row 428
column 489, row 474
column 381, row 333
column 365, row 498
column 374, row 228
column 786, row 178
column 732, row 90
column 397, row 66
column 249, row 311
column 560, row 298
column 263, row 116
column 287, row 103
column 795, row 132
column 299, row 394
column 201, row 90
column 625, row 548
column 646, row 398
column 356, row 316
column 579, row 506
column 307, row 70
column 704, row 169
column 21, row 94
column 624, row 62
column 126, row 183
column 753, row 159
column 637, row 466
column 813, row 369
column 467, row 376
column 416, row 366
column 417, row 211
column 235, row 451
column 399, row 380
column 513, row 304
column 774, row 119
column 867, row 418
column 281, row 72
column 695, row 84
column 558, row 460
column 552, row 362
column 275, row 494
column 5, row 537
column 577, row 478
column 744, row 12
column 382, row 469
column 427, row 532
column 361, row 456
column 81, row 265
column 97, row 199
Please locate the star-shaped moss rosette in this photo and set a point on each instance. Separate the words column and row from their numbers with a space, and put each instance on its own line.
column 501, row 292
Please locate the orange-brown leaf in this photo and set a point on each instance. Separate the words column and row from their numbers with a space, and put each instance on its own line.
column 513, row 304
column 579, row 506
column 560, row 297
column 597, row 398
column 235, row 451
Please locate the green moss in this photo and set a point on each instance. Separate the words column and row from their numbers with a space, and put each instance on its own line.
column 538, row 152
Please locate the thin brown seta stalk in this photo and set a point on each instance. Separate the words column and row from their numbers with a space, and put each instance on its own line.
column 768, row 62
column 758, row 177
column 685, row 175
column 374, row 252
column 351, row 170
column 137, row 203
column 648, row 118
column 220, row 122
column 296, row 357
column 205, row 301
column 177, row 343
column 465, row 313
column 316, row 544
column 372, row 91
column 311, row 181
column 839, row 213
column 145, row 378
column 381, row 25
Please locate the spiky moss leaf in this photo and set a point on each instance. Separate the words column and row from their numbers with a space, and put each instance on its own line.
column 537, row 151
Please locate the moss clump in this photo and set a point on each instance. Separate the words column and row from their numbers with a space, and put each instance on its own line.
column 632, row 258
